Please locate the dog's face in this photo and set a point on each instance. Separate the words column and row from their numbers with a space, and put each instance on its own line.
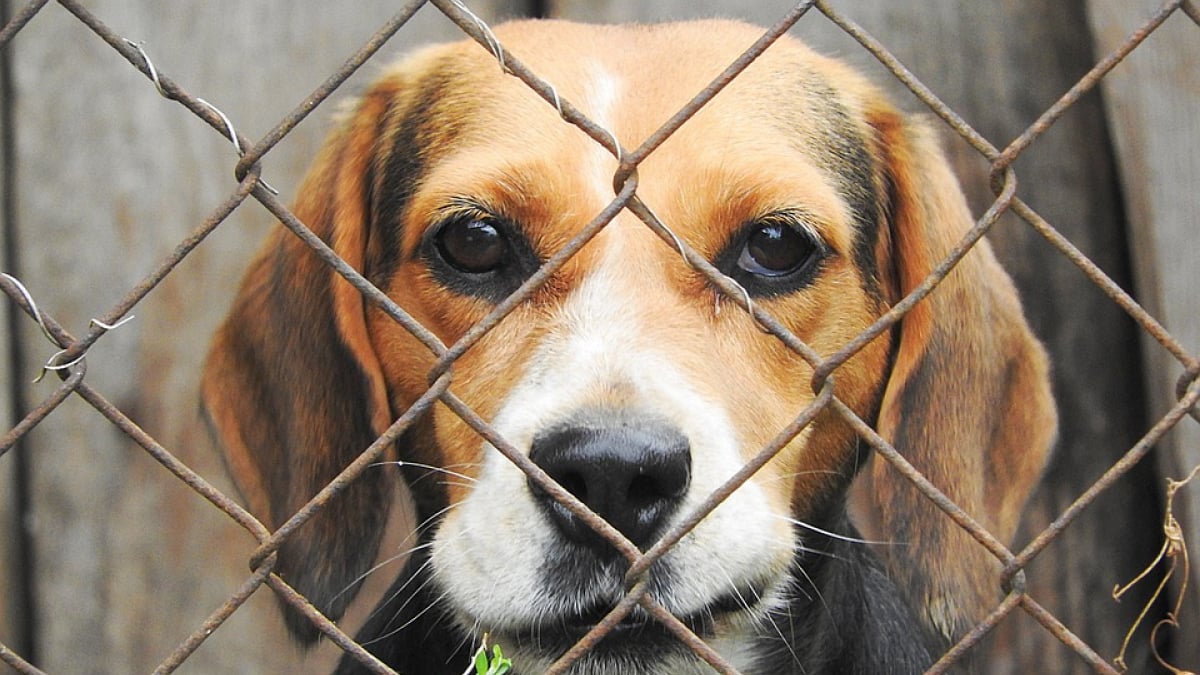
column 627, row 376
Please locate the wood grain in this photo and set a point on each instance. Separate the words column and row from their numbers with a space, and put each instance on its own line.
column 1153, row 103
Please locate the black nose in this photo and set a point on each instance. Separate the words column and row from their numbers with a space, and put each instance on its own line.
column 633, row 474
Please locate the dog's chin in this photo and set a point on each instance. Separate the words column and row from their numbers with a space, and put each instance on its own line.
column 638, row 643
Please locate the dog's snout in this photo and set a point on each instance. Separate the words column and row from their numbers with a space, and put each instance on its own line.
column 632, row 475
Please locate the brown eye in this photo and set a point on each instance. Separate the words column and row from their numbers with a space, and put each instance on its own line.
column 776, row 250
column 472, row 245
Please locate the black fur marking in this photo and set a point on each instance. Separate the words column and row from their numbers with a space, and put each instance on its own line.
column 404, row 166
column 842, row 149
column 847, row 151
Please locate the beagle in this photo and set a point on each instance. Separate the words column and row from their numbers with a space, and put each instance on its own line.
column 623, row 376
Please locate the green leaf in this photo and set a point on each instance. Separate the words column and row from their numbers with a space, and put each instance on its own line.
column 499, row 665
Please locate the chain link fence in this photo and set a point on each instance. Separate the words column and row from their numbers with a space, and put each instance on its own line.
column 69, row 364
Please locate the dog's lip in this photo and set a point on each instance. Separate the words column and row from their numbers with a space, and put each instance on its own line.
column 638, row 625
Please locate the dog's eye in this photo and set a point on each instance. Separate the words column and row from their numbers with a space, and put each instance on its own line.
column 474, row 252
column 776, row 250
column 473, row 245
column 775, row 254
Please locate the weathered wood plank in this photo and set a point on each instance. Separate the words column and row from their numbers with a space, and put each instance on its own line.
column 11, row 613
column 1000, row 65
column 111, row 177
column 1154, row 117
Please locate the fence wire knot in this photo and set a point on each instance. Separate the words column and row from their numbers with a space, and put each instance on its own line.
column 52, row 364
column 33, row 308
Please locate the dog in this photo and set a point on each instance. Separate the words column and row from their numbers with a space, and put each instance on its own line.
column 628, row 377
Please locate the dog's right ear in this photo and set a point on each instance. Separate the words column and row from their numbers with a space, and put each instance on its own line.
column 968, row 401
column 292, row 385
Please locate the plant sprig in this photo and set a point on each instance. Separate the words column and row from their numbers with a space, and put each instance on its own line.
column 493, row 664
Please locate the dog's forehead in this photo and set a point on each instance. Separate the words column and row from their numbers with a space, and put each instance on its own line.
column 631, row 79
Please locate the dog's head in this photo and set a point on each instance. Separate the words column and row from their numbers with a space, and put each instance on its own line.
column 627, row 376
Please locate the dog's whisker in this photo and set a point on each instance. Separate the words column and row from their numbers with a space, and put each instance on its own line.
column 403, row 554
column 766, row 616
column 793, row 475
column 395, row 593
column 821, row 553
column 432, row 605
column 737, row 591
column 426, row 581
column 784, row 608
column 374, row 568
column 418, row 531
column 833, row 535
column 432, row 468
column 815, row 588
column 783, row 639
column 472, row 639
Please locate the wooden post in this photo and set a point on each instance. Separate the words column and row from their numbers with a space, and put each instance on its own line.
column 1154, row 117
column 12, row 619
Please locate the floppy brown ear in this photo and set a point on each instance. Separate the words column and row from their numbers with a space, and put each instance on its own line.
column 968, row 402
column 293, row 387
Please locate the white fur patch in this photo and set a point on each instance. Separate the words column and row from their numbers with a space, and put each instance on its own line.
column 604, row 92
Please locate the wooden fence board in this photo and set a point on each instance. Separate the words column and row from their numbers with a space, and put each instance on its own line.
column 111, row 178
column 1000, row 65
column 11, row 624
column 1153, row 103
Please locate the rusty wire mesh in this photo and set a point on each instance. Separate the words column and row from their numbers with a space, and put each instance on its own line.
column 70, row 366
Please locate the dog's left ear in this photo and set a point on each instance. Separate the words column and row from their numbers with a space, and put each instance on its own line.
column 293, row 387
column 968, row 402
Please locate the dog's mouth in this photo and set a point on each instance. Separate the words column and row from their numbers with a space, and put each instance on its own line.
column 638, row 634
